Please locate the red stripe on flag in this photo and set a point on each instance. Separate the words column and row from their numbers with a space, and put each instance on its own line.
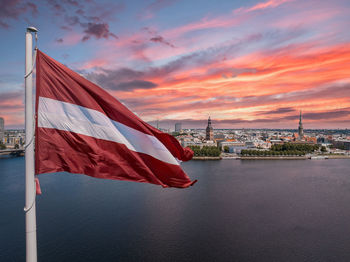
column 75, row 153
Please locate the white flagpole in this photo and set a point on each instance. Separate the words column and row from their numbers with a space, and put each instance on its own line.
column 31, row 249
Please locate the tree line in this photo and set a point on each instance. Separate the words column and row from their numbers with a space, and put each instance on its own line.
column 247, row 152
column 205, row 151
column 307, row 148
column 287, row 149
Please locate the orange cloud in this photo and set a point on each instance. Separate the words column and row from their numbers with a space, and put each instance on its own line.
column 314, row 79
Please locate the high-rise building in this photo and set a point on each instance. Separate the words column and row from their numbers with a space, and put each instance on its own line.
column 209, row 131
column 178, row 127
column 2, row 129
column 300, row 129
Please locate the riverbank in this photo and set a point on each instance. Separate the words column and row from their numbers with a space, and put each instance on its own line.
column 273, row 157
column 235, row 157
column 206, row 158
column 338, row 156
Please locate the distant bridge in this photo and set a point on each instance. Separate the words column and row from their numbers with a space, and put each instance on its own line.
column 12, row 152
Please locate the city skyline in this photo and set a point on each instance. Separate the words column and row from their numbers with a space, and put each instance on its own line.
column 169, row 125
column 247, row 64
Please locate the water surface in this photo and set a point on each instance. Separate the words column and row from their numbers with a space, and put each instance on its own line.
column 272, row 210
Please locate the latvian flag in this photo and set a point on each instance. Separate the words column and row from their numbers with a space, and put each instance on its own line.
column 80, row 128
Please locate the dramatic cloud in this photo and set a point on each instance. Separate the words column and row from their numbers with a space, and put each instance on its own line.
column 329, row 115
column 265, row 85
column 123, row 79
column 135, row 84
column 91, row 18
column 111, row 78
column 277, row 111
column 330, row 92
column 255, row 65
column 332, row 116
column 208, row 57
column 13, row 9
column 98, row 31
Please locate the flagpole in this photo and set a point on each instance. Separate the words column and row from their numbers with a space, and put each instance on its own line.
column 31, row 249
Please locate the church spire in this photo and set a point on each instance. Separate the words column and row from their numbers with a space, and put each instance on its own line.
column 209, row 131
column 300, row 129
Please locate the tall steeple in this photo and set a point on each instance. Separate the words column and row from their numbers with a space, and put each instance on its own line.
column 209, row 131
column 300, row 129
column 209, row 122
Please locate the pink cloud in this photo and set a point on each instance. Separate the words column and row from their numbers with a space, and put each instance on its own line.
column 98, row 62
column 263, row 5
column 224, row 21
column 308, row 17
column 205, row 23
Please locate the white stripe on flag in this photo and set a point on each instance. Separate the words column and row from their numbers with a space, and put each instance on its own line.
column 78, row 119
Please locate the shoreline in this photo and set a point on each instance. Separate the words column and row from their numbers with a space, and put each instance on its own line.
column 274, row 158
column 206, row 158
column 338, row 157
column 323, row 157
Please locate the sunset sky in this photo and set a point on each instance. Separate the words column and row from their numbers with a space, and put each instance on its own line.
column 247, row 64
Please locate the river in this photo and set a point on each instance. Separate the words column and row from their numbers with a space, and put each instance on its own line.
column 251, row 210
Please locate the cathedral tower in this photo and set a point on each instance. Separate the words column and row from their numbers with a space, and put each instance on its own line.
column 209, row 131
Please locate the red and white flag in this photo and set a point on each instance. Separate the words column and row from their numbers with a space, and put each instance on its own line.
column 80, row 128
